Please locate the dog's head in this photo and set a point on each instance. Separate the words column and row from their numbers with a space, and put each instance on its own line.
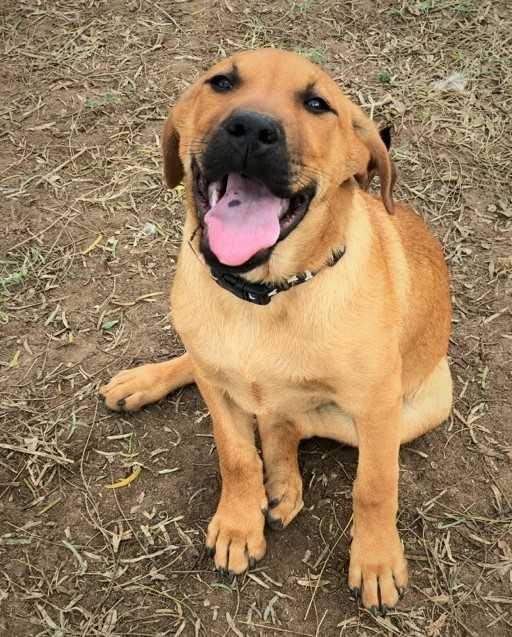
column 264, row 139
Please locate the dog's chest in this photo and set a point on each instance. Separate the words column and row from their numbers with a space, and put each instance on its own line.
column 265, row 369
column 262, row 386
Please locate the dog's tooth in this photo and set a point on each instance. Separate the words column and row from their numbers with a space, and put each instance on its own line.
column 285, row 204
column 213, row 193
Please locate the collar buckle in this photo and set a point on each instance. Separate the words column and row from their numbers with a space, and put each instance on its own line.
column 257, row 293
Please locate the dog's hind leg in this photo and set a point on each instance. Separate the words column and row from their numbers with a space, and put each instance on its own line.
column 429, row 405
column 131, row 389
column 283, row 483
column 422, row 410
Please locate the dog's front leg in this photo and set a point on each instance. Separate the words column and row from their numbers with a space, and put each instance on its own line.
column 235, row 534
column 378, row 570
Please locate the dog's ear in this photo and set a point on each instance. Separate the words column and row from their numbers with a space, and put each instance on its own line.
column 173, row 168
column 372, row 170
column 370, row 155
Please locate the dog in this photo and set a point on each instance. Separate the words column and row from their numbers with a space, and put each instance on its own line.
column 307, row 306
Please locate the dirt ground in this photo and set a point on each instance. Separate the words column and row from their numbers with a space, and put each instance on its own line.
column 87, row 252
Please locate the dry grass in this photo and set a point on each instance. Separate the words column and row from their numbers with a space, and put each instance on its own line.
column 87, row 253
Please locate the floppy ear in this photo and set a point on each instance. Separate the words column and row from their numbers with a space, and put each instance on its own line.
column 371, row 156
column 173, row 168
column 385, row 135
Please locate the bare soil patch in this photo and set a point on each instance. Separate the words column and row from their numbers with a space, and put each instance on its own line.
column 87, row 253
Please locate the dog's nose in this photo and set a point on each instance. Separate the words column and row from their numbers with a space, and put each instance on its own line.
column 251, row 143
column 253, row 129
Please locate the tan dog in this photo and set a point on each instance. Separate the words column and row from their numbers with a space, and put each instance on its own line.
column 352, row 345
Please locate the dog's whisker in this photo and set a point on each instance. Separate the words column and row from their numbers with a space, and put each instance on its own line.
column 309, row 171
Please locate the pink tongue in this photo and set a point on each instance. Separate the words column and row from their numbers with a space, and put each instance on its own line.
column 244, row 221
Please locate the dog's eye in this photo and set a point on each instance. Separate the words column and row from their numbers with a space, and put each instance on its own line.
column 316, row 105
column 221, row 83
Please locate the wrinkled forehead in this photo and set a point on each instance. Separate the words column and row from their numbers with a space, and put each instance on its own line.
column 277, row 72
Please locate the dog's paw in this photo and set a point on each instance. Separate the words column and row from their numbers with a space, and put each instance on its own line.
column 235, row 535
column 131, row 389
column 284, row 500
column 378, row 570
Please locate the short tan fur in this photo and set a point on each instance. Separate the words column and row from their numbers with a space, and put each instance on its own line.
column 358, row 354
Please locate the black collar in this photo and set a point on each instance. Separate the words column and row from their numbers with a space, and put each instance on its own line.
column 262, row 293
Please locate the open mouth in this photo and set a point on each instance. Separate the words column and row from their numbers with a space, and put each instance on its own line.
column 242, row 219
